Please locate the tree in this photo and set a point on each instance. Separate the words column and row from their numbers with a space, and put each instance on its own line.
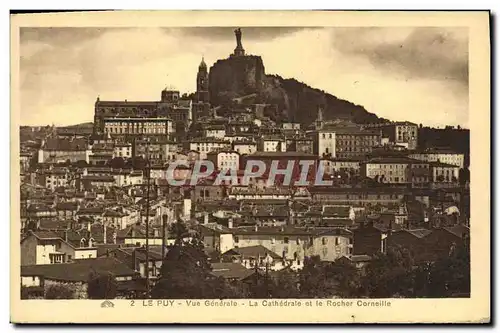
column 315, row 280
column 81, row 164
column 348, row 279
column 389, row 275
column 185, row 272
column 101, row 286
column 117, row 163
column 450, row 276
column 59, row 291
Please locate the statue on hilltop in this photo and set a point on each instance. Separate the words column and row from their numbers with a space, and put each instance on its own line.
column 238, row 51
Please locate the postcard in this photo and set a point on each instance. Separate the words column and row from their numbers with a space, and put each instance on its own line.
column 250, row 167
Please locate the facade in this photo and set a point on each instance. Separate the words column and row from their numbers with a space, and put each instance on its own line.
column 444, row 174
column 391, row 170
column 123, row 150
column 353, row 142
column 138, row 126
column 206, row 145
column 271, row 144
column 403, row 133
column 244, row 147
column 332, row 165
column 224, row 159
column 440, row 155
column 46, row 247
column 325, row 143
column 293, row 243
column 55, row 150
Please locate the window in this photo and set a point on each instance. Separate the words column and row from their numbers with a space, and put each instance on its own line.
column 323, row 241
column 236, row 239
column 337, row 241
column 286, row 240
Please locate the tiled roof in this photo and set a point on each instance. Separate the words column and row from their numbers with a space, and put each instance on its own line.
column 252, row 252
column 79, row 270
column 76, row 144
column 336, row 211
column 419, row 233
column 231, row 271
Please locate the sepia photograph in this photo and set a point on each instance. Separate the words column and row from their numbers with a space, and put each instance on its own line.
column 287, row 167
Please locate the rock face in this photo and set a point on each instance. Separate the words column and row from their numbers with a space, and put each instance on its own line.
column 245, row 75
column 236, row 76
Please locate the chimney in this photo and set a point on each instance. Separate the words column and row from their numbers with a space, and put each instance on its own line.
column 230, row 223
column 256, row 227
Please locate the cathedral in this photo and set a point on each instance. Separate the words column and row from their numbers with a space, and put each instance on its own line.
column 171, row 115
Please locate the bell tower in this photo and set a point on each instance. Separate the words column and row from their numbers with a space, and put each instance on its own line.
column 202, row 82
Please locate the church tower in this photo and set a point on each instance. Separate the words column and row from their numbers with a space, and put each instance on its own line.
column 202, row 82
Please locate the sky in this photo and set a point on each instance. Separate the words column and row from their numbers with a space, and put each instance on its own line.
column 416, row 74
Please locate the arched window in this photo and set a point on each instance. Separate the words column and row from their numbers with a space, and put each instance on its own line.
column 82, row 242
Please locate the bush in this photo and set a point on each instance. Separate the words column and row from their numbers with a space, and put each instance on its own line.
column 58, row 291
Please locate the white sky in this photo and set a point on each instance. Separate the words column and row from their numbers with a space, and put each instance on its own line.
column 415, row 74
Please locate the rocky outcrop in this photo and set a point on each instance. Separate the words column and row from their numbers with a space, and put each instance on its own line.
column 296, row 101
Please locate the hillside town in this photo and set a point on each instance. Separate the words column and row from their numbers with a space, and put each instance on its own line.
column 115, row 200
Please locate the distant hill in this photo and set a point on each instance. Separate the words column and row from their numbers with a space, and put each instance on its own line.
column 296, row 101
column 82, row 125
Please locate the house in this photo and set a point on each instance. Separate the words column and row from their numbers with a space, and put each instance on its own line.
column 295, row 243
column 56, row 149
column 403, row 133
column 67, row 209
column 224, row 159
column 444, row 175
column 216, row 237
column 74, row 275
column 53, row 178
column 90, row 182
column 206, row 145
column 351, row 142
column 135, row 258
column 244, row 146
column 357, row 260
column 441, row 155
column 255, row 256
column 118, row 218
column 214, row 131
column 231, row 271
column 271, row 143
column 334, row 165
column 429, row 244
column 122, row 149
column 47, row 247
column 368, row 240
column 337, row 216
column 136, row 235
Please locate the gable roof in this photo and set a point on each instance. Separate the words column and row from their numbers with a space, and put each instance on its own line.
column 230, row 270
column 79, row 270
column 252, row 252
